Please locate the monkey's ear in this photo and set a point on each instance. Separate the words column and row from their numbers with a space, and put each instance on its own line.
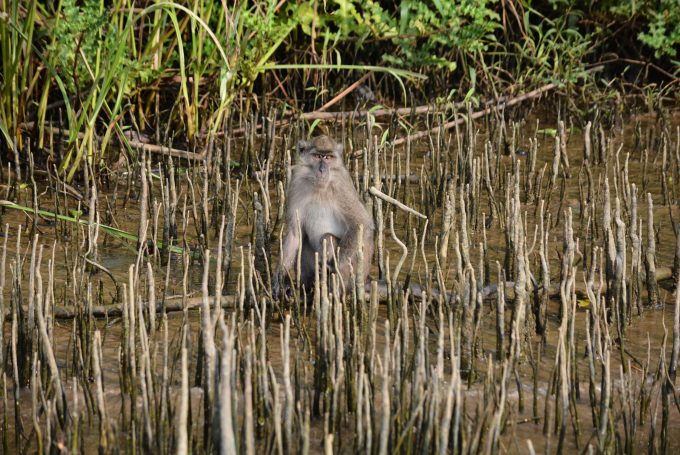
column 339, row 148
column 302, row 146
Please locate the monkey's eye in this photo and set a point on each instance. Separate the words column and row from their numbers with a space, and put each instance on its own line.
column 318, row 156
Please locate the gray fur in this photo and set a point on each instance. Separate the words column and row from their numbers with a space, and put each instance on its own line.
column 328, row 207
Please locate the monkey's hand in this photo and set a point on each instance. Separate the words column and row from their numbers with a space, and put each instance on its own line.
column 281, row 288
column 276, row 286
column 341, row 267
column 331, row 265
column 280, row 285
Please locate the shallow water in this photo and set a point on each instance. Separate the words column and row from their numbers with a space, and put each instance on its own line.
column 645, row 334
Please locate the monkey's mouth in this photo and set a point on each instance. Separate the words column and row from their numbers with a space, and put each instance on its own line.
column 322, row 178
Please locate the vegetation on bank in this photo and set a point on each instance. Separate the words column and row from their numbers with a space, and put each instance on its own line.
column 175, row 69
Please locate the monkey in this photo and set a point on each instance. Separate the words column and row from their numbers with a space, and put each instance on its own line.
column 321, row 196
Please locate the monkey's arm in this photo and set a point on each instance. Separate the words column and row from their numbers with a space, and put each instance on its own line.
column 289, row 249
column 369, row 245
column 355, row 215
column 292, row 240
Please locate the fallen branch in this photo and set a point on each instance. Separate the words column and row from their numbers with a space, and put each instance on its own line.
column 317, row 115
column 169, row 151
column 344, row 93
column 136, row 145
column 175, row 304
column 377, row 193
column 662, row 273
column 502, row 102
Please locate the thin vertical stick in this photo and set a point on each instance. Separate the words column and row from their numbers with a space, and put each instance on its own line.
column 99, row 387
column 386, row 417
column 183, row 412
column 248, row 398
column 500, row 314
column 650, row 255
column 227, row 439
column 289, row 413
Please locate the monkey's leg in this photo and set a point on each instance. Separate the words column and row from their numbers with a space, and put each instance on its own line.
column 307, row 265
column 332, row 259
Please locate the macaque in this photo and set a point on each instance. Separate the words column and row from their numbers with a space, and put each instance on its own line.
column 321, row 196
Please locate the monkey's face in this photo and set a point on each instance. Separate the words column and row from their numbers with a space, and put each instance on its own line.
column 322, row 163
column 322, row 156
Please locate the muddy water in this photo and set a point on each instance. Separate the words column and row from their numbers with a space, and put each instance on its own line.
column 642, row 342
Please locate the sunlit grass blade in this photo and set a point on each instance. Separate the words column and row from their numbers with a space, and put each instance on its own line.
column 115, row 232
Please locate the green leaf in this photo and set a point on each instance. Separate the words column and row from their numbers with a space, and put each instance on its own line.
column 76, row 219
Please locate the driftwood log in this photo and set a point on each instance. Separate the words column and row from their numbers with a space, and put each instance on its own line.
column 175, row 304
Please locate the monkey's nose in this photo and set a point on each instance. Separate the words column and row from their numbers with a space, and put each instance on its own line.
column 322, row 170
